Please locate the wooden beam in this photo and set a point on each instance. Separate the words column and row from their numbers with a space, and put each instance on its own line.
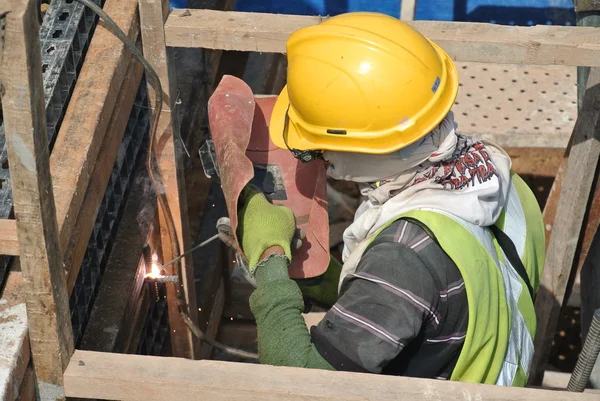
column 169, row 152
column 9, row 242
column 89, row 114
column 131, row 341
column 215, row 57
column 574, row 197
column 136, row 377
column 238, row 333
column 464, row 41
column 50, row 331
column 512, row 139
column 560, row 380
column 213, row 322
column 276, row 66
column 15, row 352
column 551, row 207
column 407, row 9
column 209, row 266
column 78, row 241
column 591, row 223
column 27, row 388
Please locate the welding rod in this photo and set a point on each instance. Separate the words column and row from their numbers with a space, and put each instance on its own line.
column 165, row 279
column 200, row 245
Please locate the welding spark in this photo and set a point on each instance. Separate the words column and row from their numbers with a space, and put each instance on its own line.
column 154, row 269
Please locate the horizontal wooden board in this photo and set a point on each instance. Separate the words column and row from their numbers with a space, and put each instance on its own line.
column 134, row 377
column 464, row 41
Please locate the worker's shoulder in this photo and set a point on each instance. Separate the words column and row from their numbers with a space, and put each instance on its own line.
column 405, row 248
column 405, row 232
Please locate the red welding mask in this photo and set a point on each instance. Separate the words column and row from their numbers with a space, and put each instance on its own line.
column 243, row 153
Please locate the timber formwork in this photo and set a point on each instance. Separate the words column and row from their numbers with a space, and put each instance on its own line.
column 59, row 197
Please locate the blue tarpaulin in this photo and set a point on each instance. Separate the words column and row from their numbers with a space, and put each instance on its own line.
column 508, row 12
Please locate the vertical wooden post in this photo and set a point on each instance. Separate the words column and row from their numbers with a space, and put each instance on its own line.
column 407, row 10
column 27, row 142
column 567, row 229
column 170, row 154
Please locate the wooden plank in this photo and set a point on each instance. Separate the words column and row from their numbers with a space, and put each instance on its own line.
column 89, row 114
column 131, row 343
column 14, row 340
column 591, row 223
column 209, row 263
column 50, row 331
column 526, row 139
column 551, row 207
column 464, row 41
column 557, row 380
column 237, row 333
column 560, row 380
column 215, row 57
column 78, row 241
column 169, row 153
column 9, row 242
column 214, row 321
column 407, row 9
column 277, row 75
column 27, row 389
column 574, row 196
column 136, row 377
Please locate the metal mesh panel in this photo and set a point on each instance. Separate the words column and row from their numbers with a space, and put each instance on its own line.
column 64, row 37
column 109, row 214
column 156, row 329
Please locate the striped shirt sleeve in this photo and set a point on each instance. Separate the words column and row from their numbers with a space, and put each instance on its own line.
column 382, row 307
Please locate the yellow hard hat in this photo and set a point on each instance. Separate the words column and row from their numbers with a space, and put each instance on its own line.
column 362, row 82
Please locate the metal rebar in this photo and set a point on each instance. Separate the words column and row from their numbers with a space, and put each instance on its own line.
column 147, row 255
column 164, row 279
column 588, row 357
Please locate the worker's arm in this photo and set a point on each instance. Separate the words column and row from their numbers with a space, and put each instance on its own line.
column 277, row 305
column 266, row 232
column 368, row 326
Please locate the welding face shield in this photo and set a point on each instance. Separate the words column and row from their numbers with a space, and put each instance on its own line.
column 242, row 153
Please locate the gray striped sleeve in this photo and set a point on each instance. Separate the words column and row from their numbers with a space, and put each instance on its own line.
column 382, row 307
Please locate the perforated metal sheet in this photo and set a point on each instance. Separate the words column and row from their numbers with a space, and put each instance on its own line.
column 64, row 38
column 156, row 328
column 533, row 105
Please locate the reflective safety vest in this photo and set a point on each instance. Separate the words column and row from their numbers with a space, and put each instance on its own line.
column 498, row 347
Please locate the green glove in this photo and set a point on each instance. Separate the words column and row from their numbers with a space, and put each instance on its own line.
column 262, row 225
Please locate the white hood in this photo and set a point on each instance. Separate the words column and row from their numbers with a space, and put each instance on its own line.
column 443, row 171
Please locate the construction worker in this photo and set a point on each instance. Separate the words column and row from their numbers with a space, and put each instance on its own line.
column 443, row 259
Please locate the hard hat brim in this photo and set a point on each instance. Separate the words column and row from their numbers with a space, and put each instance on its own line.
column 285, row 135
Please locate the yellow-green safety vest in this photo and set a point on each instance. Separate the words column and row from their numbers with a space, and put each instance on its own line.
column 498, row 347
